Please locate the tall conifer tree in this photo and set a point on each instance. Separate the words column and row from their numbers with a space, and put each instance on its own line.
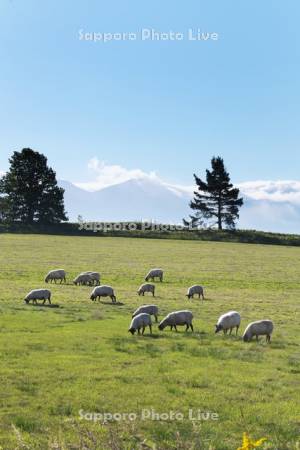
column 216, row 200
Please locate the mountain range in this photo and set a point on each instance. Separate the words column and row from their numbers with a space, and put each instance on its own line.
column 150, row 199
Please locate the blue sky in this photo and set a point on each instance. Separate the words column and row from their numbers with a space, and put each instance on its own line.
column 155, row 106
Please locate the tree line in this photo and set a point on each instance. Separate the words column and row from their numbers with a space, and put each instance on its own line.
column 29, row 194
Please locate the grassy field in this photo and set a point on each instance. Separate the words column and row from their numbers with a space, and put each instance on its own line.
column 79, row 357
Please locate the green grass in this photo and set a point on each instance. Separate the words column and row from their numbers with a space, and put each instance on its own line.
column 56, row 362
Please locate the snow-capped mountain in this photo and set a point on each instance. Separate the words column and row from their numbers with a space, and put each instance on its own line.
column 132, row 200
column 149, row 199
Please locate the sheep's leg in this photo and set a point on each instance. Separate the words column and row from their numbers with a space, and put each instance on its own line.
column 202, row 296
column 150, row 326
column 139, row 331
column 187, row 327
column 230, row 331
column 237, row 329
column 257, row 337
column 152, row 293
column 156, row 318
column 191, row 325
column 224, row 331
column 171, row 326
column 175, row 328
column 143, row 331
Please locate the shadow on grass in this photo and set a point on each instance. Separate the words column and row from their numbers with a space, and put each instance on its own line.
column 40, row 305
column 111, row 303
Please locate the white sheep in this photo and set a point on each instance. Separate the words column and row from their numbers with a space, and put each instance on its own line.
column 152, row 310
column 38, row 294
column 103, row 291
column 228, row 321
column 146, row 287
column 94, row 275
column 259, row 328
column 140, row 321
column 154, row 273
column 196, row 289
column 177, row 318
column 56, row 274
column 83, row 278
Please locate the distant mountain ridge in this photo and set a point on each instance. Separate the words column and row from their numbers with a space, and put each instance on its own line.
column 147, row 199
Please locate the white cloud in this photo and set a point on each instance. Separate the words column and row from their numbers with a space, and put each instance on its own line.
column 108, row 175
column 111, row 174
column 275, row 191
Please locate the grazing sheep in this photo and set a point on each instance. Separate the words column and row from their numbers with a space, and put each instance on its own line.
column 103, row 291
column 140, row 321
column 154, row 273
column 94, row 275
column 177, row 318
column 57, row 274
column 84, row 279
column 196, row 289
column 152, row 310
column 146, row 287
column 228, row 321
column 38, row 294
column 259, row 328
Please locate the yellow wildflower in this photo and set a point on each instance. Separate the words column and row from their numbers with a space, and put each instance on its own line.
column 248, row 444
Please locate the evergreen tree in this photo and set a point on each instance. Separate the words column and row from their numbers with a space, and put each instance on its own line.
column 3, row 208
column 216, row 199
column 30, row 190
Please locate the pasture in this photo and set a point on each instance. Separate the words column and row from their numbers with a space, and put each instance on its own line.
column 56, row 362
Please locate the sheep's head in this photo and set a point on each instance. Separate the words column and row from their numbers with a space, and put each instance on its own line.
column 246, row 337
column 92, row 297
column 46, row 279
column 218, row 328
column 132, row 330
column 26, row 300
column 147, row 278
column 162, row 325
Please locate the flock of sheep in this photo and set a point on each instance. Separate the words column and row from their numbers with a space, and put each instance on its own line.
column 141, row 318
